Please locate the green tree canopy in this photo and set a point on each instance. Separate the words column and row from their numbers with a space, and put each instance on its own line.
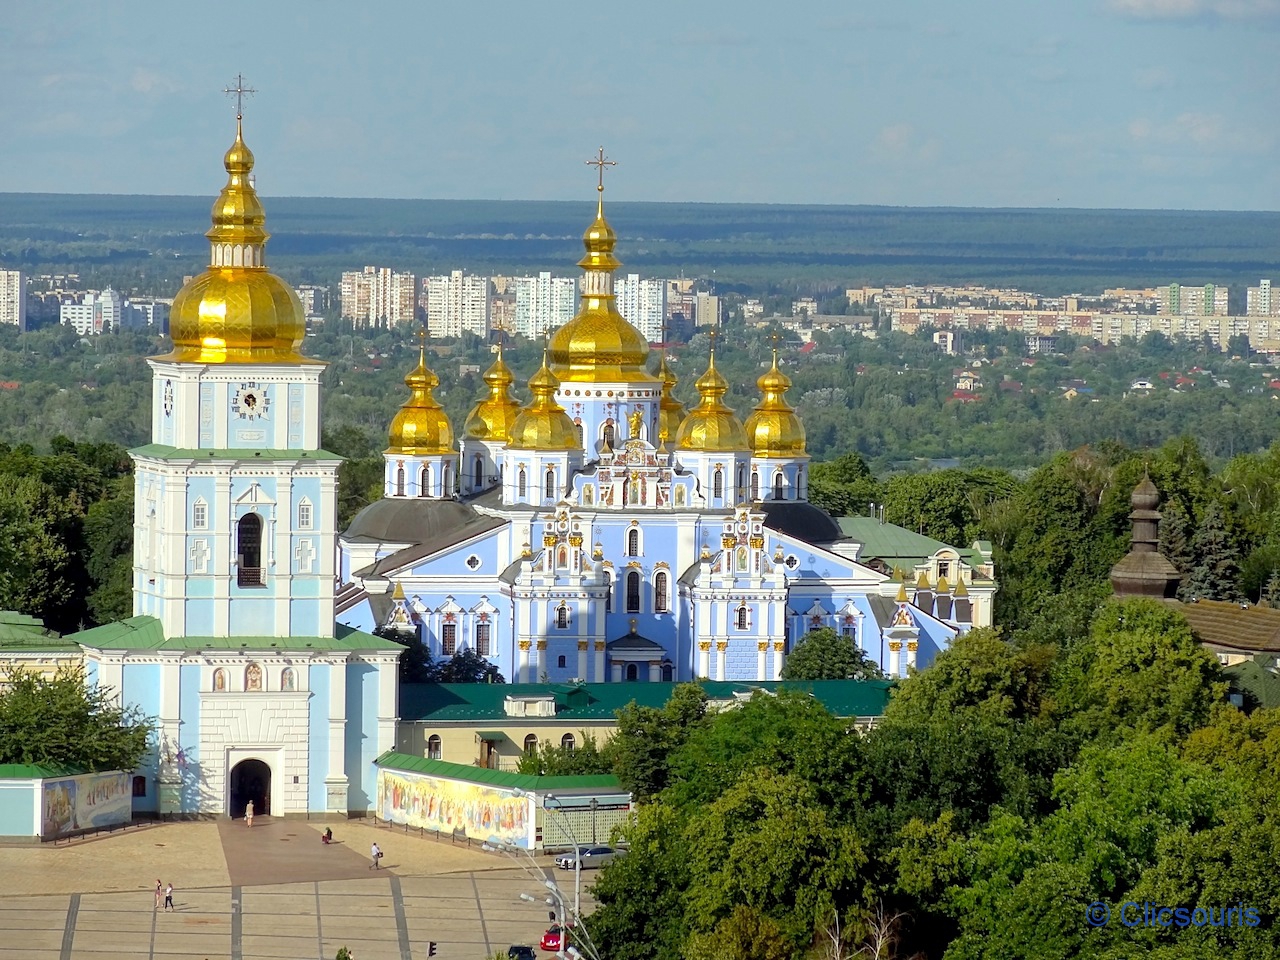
column 823, row 654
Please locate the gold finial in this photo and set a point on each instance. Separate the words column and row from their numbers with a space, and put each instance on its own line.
column 635, row 422
column 599, row 161
column 239, row 91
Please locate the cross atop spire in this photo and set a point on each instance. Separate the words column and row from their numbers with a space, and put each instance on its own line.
column 599, row 161
column 239, row 91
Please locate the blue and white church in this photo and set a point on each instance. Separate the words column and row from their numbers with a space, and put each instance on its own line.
column 233, row 646
column 602, row 533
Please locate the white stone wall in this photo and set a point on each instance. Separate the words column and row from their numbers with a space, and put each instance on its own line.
column 268, row 726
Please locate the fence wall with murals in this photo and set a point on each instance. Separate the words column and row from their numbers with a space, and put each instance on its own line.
column 92, row 801
column 455, row 806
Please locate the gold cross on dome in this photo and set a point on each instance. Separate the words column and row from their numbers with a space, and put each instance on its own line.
column 239, row 91
column 599, row 161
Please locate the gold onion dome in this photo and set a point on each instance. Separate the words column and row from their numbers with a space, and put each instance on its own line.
column 711, row 426
column 599, row 345
column 543, row 424
column 773, row 429
column 237, row 312
column 671, row 412
column 421, row 427
column 493, row 417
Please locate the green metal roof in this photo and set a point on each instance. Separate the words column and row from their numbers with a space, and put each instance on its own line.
column 164, row 452
column 21, row 633
column 38, row 771
column 1260, row 686
column 145, row 633
column 496, row 778
column 887, row 541
column 600, row 702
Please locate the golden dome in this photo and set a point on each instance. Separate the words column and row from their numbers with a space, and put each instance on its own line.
column 544, row 424
column 598, row 345
column 237, row 312
column 671, row 412
column 711, row 426
column 773, row 429
column 493, row 417
column 421, row 427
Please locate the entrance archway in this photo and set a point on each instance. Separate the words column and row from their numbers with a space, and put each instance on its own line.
column 250, row 780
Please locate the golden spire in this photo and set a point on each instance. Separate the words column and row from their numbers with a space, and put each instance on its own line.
column 711, row 426
column 599, row 345
column 421, row 427
column 773, row 429
column 544, row 424
column 236, row 311
column 492, row 417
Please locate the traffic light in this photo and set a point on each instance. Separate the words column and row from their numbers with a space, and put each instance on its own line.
column 431, row 948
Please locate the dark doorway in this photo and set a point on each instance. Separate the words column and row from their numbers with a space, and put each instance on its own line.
column 249, row 549
column 250, row 780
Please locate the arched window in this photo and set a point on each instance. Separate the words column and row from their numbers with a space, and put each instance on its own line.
column 522, row 484
column 802, row 485
column 477, row 472
column 531, row 743
column 755, row 485
column 607, row 436
column 399, row 481
column 561, row 662
column 433, row 747
column 744, row 617
column 633, row 591
column 717, row 483
column 483, row 631
column 249, row 550
column 253, row 677
column 424, row 482
column 668, row 673
column 562, row 617
column 632, row 672
column 660, row 592
column 633, row 542
column 446, row 480
column 742, row 481
column 550, row 486
column 777, row 485
column 577, row 428
column 288, row 679
column 626, row 491
column 139, row 786
column 567, row 742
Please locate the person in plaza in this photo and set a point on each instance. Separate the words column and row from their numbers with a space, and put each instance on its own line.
column 168, row 897
column 159, row 893
column 327, row 836
column 248, row 814
column 375, row 854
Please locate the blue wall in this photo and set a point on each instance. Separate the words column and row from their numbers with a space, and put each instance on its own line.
column 318, row 735
column 17, row 805
column 189, row 691
column 361, row 748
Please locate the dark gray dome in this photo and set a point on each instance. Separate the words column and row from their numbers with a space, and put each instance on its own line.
column 801, row 519
column 408, row 520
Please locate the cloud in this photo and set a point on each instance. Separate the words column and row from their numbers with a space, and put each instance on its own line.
column 1201, row 129
column 1195, row 9
column 895, row 139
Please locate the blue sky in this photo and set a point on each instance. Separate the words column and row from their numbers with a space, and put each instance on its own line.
column 1040, row 103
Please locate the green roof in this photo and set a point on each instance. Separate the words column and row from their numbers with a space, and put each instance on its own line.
column 485, row 702
column 19, row 632
column 887, row 541
column 164, row 452
column 38, row 771
column 145, row 633
column 496, row 778
column 1259, row 686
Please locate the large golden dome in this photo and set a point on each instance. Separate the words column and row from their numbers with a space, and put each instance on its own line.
column 544, row 424
column 599, row 345
column 773, row 429
column 711, row 427
column 493, row 417
column 421, row 427
column 237, row 312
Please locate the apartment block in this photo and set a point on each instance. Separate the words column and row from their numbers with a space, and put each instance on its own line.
column 1259, row 301
column 377, row 295
column 1209, row 300
column 457, row 303
column 544, row 303
column 97, row 312
column 643, row 303
column 13, row 298
column 706, row 310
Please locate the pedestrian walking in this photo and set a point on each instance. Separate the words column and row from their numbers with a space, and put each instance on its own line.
column 375, row 855
column 248, row 814
column 168, row 896
column 159, row 893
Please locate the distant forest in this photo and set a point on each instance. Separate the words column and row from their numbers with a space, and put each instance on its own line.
column 744, row 247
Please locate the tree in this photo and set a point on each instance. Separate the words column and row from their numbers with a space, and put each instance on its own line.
column 467, row 666
column 553, row 760
column 1175, row 536
column 823, row 654
column 62, row 720
column 844, row 487
column 641, row 749
column 1216, row 573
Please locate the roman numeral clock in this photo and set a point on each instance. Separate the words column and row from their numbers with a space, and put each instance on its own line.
column 251, row 401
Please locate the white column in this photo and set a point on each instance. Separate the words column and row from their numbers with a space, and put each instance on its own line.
column 542, row 661
column 655, row 671
column 778, row 647
column 615, row 672
column 912, row 646
column 895, row 658
column 335, row 781
column 598, row 672
column 582, row 659
column 523, row 672
column 762, row 648
column 722, row 659
column 704, row 658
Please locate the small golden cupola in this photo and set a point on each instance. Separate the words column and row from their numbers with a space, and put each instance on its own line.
column 671, row 412
column 236, row 311
column 493, row 417
column 544, row 424
column 711, row 426
column 773, row 429
column 421, row 427
column 599, row 345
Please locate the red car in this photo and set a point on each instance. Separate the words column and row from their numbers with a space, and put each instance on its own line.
column 554, row 939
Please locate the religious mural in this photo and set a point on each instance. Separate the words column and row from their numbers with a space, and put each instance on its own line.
column 452, row 805
column 83, row 803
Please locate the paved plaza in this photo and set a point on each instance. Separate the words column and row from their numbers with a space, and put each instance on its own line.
column 270, row 891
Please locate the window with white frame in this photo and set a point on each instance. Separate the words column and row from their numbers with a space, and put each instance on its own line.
column 660, row 602
column 433, row 747
column 304, row 514
column 449, row 639
column 633, row 542
column 744, row 617
column 200, row 515
column 483, row 638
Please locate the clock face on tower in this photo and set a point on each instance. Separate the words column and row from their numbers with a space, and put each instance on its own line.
column 168, row 397
column 251, row 401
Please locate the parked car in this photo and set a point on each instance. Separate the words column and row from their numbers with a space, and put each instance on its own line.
column 553, row 939
column 520, row 952
column 591, row 857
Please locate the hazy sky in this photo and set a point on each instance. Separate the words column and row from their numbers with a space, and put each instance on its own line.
column 1083, row 103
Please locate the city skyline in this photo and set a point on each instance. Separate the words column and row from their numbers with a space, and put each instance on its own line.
column 1114, row 103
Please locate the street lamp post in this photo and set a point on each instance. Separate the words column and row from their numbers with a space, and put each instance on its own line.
column 555, row 898
column 577, row 849
column 594, row 803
